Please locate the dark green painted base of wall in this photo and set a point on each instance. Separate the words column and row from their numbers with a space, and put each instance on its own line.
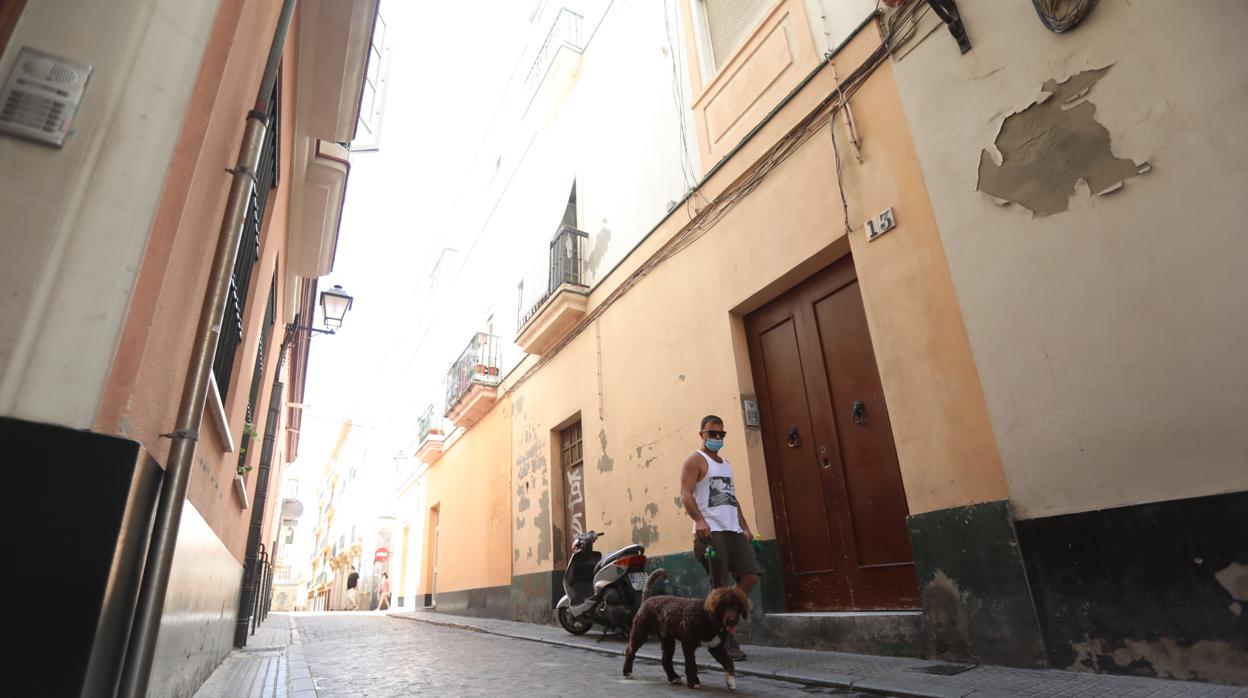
column 898, row 634
column 686, row 576
column 976, row 598
column 533, row 596
column 486, row 602
column 1156, row 589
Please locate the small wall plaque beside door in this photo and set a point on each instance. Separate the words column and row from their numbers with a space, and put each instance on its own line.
column 752, row 416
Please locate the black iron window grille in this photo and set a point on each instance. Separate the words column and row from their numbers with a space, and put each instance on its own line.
column 257, row 374
column 567, row 266
column 248, row 252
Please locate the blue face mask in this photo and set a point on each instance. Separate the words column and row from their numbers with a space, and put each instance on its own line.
column 714, row 445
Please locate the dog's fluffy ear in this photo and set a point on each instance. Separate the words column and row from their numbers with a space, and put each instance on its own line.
column 715, row 601
column 744, row 601
column 721, row 599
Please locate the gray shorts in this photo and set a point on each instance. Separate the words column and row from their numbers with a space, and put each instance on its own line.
column 733, row 555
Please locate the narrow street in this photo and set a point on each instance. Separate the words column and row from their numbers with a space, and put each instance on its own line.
column 368, row 654
column 375, row 655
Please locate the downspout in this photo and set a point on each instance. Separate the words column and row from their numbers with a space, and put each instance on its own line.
column 251, row 590
column 142, row 648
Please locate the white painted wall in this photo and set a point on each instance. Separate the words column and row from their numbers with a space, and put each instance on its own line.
column 832, row 21
column 76, row 220
column 465, row 234
column 1110, row 338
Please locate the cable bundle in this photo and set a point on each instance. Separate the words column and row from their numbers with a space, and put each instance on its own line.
column 1062, row 15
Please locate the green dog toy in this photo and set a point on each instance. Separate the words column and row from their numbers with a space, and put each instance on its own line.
column 757, row 543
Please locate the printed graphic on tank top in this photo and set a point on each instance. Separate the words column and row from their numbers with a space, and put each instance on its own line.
column 716, row 497
column 722, row 493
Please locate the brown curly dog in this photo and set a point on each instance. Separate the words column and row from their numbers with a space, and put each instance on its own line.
column 690, row 621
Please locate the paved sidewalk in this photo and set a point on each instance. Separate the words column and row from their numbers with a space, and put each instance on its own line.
column 272, row 665
column 894, row 676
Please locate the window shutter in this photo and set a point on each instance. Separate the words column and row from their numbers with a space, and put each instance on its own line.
column 728, row 22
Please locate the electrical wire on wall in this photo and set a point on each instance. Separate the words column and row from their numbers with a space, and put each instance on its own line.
column 687, row 170
column 1062, row 15
column 716, row 209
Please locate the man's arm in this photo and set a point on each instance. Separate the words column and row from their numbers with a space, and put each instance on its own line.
column 690, row 474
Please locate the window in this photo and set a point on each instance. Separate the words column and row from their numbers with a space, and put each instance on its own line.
column 572, row 460
column 727, row 23
column 248, row 252
column 257, row 374
column 290, row 535
column 291, row 489
column 373, row 93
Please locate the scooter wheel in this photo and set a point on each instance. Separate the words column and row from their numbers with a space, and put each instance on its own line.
column 576, row 626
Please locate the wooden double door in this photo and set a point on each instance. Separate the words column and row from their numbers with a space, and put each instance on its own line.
column 835, row 484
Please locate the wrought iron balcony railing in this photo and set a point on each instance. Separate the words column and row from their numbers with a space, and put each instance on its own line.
column 478, row 365
column 567, row 265
column 565, row 31
column 430, row 424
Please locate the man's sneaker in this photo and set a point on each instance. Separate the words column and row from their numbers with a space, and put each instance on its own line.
column 733, row 648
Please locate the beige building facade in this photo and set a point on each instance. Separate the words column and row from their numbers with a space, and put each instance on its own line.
column 896, row 426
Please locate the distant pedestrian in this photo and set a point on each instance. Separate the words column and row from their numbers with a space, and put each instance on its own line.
column 353, row 590
column 384, row 590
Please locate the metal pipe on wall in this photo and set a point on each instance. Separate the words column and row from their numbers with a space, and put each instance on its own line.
column 146, row 627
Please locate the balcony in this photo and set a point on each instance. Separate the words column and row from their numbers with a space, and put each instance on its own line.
column 566, row 300
column 472, row 382
column 432, row 436
column 555, row 65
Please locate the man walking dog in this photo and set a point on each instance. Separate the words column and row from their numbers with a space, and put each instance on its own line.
column 710, row 499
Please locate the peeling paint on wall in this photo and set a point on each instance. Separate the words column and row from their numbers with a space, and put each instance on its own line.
column 1234, row 578
column 542, row 521
column 601, row 242
column 605, row 463
column 946, row 616
column 644, row 532
column 1206, row 660
column 1044, row 150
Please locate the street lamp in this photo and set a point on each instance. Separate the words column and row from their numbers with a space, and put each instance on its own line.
column 335, row 303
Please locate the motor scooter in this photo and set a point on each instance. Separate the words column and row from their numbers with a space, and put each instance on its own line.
column 603, row 590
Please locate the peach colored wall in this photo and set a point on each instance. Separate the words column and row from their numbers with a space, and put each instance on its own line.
column 673, row 348
column 770, row 62
column 469, row 485
column 944, row 438
column 144, row 387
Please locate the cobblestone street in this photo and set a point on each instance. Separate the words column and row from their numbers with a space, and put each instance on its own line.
column 356, row 655
column 372, row 655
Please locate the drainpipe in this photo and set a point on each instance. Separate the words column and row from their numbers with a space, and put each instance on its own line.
column 251, row 595
column 142, row 648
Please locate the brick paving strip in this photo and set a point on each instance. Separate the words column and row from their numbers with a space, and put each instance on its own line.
column 894, row 676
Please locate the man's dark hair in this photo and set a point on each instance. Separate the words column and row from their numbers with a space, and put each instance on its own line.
column 708, row 419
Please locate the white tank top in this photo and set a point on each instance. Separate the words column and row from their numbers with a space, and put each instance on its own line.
column 715, row 496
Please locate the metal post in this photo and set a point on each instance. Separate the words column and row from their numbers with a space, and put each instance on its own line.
column 142, row 648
